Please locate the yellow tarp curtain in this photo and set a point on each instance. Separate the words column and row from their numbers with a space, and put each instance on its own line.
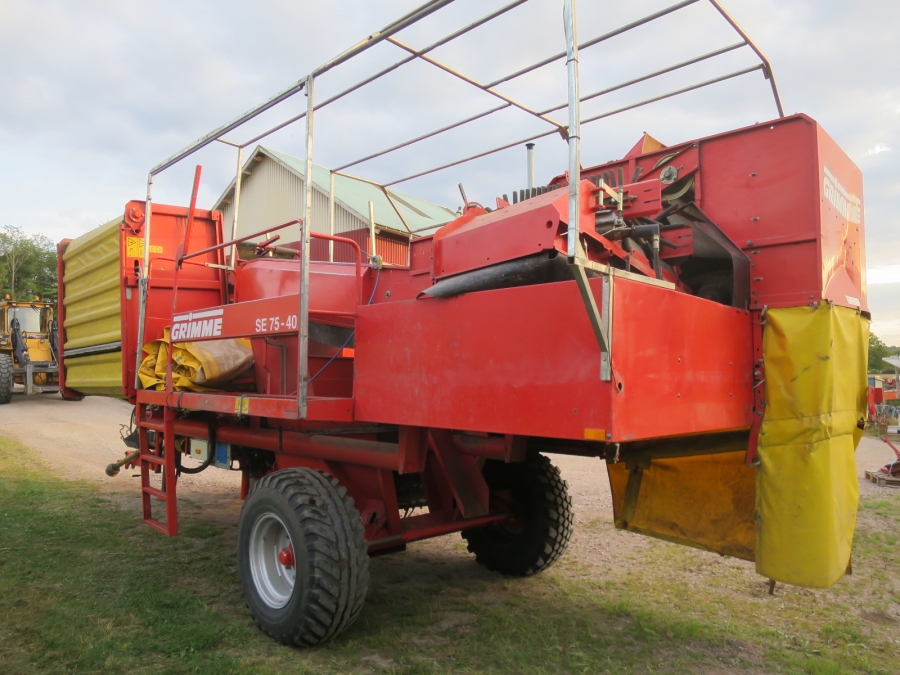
column 705, row 501
column 794, row 514
column 806, row 487
column 196, row 366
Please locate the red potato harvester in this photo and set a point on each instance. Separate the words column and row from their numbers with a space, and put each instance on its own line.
column 720, row 279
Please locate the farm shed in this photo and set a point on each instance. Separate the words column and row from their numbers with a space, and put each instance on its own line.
column 272, row 190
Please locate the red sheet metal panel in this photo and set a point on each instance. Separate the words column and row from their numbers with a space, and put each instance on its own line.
column 759, row 186
column 842, row 250
column 684, row 363
column 198, row 286
column 478, row 238
column 334, row 289
column 525, row 361
column 786, row 194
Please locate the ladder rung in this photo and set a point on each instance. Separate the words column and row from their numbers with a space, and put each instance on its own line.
column 159, row 494
column 156, row 525
column 153, row 459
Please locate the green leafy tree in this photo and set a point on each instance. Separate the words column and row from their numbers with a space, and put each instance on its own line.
column 877, row 351
column 38, row 275
column 27, row 264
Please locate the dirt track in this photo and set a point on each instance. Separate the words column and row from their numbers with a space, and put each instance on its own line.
column 77, row 439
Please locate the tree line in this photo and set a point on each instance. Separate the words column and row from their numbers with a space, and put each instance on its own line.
column 27, row 265
column 877, row 351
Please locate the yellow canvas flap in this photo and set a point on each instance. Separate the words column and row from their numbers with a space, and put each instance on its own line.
column 807, row 490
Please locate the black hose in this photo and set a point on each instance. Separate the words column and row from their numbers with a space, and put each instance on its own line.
column 668, row 211
column 210, row 455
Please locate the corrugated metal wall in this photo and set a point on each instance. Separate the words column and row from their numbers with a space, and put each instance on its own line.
column 393, row 248
column 272, row 194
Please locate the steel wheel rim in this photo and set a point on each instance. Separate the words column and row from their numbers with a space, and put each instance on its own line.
column 274, row 581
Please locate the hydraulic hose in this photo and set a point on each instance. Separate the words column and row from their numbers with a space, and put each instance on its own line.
column 210, row 455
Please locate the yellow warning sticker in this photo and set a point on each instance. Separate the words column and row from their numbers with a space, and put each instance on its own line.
column 134, row 247
column 242, row 405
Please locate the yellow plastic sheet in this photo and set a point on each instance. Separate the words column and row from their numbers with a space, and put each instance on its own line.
column 705, row 501
column 92, row 280
column 196, row 366
column 95, row 374
column 807, row 489
column 93, row 313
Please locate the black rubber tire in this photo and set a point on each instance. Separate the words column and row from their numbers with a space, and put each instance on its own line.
column 6, row 378
column 540, row 497
column 332, row 561
column 70, row 397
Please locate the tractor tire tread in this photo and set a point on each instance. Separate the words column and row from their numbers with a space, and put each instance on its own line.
column 555, row 525
column 332, row 532
column 6, row 378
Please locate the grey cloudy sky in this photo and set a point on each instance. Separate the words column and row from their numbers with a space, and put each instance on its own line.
column 93, row 93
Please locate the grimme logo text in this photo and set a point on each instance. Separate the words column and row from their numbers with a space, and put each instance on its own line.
column 847, row 204
column 197, row 329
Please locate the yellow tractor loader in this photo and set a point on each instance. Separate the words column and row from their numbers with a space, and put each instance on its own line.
column 29, row 347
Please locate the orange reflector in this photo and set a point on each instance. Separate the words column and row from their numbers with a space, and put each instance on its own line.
column 595, row 434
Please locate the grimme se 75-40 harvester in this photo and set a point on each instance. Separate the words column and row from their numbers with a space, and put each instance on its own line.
column 368, row 406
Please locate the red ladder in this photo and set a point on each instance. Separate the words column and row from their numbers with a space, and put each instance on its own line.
column 163, row 456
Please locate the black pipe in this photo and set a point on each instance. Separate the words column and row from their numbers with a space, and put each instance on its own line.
column 54, row 340
column 541, row 268
column 668, row 211
column 18, row 343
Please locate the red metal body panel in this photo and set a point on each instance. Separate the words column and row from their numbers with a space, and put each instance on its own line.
column 639, row 199
column 696, row 378
column 512, row 232
column 766, row 188
column 525, row 361
column 199, row 287
column 841, row 244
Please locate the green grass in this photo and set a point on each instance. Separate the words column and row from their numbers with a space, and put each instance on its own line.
column 85, row 587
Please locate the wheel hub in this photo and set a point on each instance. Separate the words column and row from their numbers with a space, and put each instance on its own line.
column 272, row 562
column 286, row 556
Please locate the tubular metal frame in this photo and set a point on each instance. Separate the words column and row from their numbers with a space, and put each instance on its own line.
column 570, row 132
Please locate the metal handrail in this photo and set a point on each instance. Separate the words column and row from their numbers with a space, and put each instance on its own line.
column 593, row 118
column 295, row 221
column 345, row 240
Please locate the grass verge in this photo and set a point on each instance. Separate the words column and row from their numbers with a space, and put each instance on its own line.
column 84, row 587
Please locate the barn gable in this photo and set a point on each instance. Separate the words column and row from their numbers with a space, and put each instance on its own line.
column 272, row 191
